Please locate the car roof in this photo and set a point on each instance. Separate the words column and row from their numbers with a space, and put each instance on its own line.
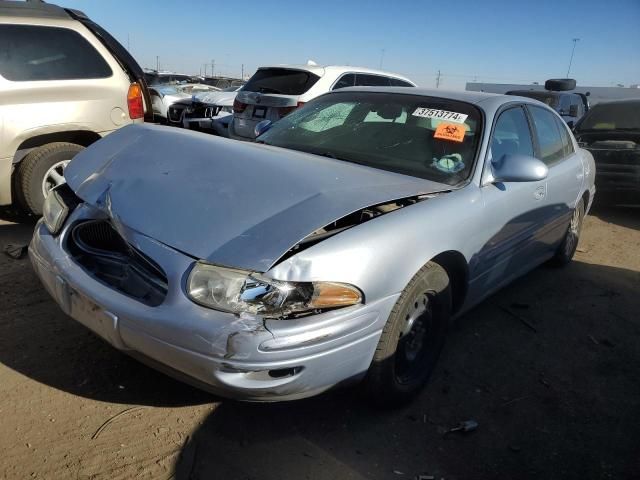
column 545, row 92
column 35, row 9
column 336, row 69
column 460, row 95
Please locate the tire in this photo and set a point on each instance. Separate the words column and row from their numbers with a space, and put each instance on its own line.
column 566, row 249
column 560, row 84
column 394, row 377
column 33, row 168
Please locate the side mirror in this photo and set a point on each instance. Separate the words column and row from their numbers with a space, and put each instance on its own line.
column 518, row 168
column 573, row 110
column 262, row 127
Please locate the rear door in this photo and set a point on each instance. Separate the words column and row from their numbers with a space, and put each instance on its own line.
column 566, row 172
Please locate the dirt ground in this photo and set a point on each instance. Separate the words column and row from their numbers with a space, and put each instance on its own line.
column 549, row 368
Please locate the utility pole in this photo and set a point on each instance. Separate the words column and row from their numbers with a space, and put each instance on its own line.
column 242, row 74
column 205, row 69
column 213, row 66
column 438, row 80
column 381, row 58
column 574, row 40
column 157, row 63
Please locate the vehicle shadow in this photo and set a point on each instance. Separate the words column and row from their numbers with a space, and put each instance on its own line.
column 547, row 367
column 13, row 214
column 624, row 215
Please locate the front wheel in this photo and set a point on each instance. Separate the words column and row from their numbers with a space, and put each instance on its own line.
column 412, row 338
column 42, row 170
column 569, row 244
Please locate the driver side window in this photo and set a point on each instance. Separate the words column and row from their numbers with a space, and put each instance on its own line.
column 511, row 134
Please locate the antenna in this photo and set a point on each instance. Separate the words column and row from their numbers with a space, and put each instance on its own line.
column 574, row 40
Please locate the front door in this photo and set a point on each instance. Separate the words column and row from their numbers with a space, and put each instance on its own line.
column 514, row 211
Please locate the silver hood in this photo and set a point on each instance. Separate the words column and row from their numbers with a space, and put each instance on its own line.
column 231, row 203
column 221, row 99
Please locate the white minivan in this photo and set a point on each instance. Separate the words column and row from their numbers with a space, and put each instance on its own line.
column 273, row 92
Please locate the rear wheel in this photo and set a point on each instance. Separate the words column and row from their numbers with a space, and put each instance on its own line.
column 412, row 339
column 42, row 170
column 569, row 244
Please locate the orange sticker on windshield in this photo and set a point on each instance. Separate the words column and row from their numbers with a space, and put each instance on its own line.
column 450, row 131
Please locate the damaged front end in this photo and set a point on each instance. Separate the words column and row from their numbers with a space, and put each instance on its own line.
column 238, row 291
column 351, row 220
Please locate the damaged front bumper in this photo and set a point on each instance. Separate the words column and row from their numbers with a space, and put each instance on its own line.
column 244, row 357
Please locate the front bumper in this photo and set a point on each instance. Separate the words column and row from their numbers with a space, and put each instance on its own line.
column 241, row 357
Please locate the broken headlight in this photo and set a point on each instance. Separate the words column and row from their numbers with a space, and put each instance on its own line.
column 238, row 291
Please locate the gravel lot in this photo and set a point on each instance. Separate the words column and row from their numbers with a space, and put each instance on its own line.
column 548, row 368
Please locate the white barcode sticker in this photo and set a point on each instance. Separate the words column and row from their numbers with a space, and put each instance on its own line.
column 440, row 114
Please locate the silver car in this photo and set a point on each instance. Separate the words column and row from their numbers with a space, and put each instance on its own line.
column 338, row 248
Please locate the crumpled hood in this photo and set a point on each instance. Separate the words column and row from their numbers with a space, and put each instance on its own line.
column 231, row 203
column 221, row 99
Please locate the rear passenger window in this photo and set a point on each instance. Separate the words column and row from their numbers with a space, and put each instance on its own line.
column 348, row 80
column 30, row 52
column 396, row 82
column 363, row 80
column 511, row 134
column 548, row 134
column 566, row 137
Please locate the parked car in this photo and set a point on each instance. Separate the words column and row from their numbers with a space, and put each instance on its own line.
column 164, row 96
column 64, row 84
column 154, row 77
column 611, row 132
column 570, row 105
column 274, row 92
column 209, row 112
column 338, row 247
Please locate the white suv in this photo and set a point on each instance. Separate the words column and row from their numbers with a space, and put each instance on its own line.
column 273, row 92
column 64, row 84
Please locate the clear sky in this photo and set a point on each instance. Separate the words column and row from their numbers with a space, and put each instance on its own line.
column 499, row 41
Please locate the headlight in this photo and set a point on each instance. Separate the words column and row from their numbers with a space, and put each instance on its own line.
column 54, row 211
column 227, row 109
column 240, row 291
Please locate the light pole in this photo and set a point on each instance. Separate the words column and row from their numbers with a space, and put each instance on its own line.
column 575, row 40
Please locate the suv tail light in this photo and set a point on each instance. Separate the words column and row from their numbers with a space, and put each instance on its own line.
column 284, row 111
column 238, row 106
column 134, row 101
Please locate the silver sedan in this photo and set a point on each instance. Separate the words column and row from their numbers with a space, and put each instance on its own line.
column 337, row 248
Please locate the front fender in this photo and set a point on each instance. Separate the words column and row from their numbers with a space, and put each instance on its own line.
column 382, row 255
